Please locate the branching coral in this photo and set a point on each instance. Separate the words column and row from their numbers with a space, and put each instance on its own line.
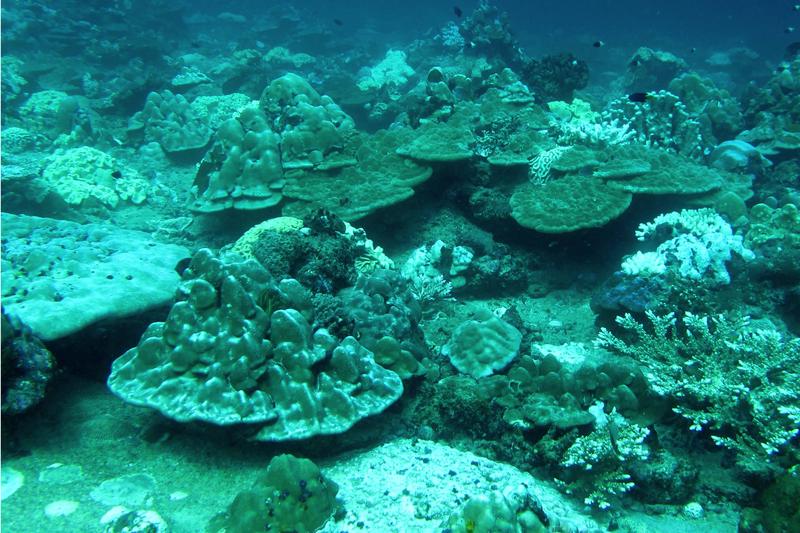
column 725, row 376
column 700, row 243
column 601, row 457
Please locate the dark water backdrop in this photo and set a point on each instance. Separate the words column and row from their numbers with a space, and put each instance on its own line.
column 550, row 26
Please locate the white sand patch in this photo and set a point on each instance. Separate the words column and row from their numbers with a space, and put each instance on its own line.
column 12, row 480
column 60, row 508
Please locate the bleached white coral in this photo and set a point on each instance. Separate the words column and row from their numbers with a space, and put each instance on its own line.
column 606, row 133
column 698, row 243
column 372, row 256
column 602, row 456
column 392, row 72
column 645, row 264
column 427, row 282
column 728, row 378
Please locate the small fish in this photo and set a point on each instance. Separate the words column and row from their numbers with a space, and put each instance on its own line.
column 693, row 49
column 789, row 29
column 116, row 175
column 457, row 11
column 639, row 97
column 338, row 22
column 598, row 44
column 613, row 434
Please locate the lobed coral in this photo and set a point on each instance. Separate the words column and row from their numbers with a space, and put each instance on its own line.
column 238, row 348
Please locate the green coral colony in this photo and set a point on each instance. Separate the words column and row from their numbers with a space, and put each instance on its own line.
column 313, row 262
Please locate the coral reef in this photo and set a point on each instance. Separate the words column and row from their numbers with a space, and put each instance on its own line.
column 237, row 348
column 572, row 289
column 292, row 495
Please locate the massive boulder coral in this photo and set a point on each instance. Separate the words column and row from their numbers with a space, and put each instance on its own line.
column 480, row 348
column 299, row 146
column 242, row 170
column 292, row 495
column 237, row 348
column 169, row 120
column 59, row 277
column 314, row 131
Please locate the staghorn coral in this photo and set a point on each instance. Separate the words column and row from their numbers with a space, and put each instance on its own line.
column 597, row 464
column 732, row 380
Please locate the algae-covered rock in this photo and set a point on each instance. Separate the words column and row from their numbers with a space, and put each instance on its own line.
column 774, row 236
column 49, row 112
column 651, row 69
column 513, row 512
column 293, row 496
column 28, row 366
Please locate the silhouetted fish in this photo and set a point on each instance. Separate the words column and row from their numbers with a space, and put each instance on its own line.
column 338, row 22
column 599, row 44
column 639, row 97
column 457, row 11
column 792, row 51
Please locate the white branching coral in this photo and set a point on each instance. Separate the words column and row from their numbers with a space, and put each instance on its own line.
column 661, row 121
column 697, row 243
column 608, row 133
column 644, row 264
column 424, row 271
column 602, row 455
column 738, row 382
